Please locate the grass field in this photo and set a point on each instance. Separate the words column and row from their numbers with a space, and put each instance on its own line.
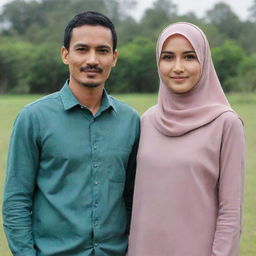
column 244, row 104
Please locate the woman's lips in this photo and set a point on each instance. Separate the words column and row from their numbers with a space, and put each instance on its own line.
column 179, row 79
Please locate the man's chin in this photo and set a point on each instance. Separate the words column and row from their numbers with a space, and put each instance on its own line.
column 90, row 85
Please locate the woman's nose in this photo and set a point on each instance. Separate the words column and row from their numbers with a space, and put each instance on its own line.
column 178, row 66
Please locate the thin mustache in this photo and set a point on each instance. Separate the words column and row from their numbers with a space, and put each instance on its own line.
column 94, row 69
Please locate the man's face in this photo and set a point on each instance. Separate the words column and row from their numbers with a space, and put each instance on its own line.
column 90, row 55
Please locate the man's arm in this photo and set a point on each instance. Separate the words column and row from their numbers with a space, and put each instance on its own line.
column 130, row 177
column 21, row 172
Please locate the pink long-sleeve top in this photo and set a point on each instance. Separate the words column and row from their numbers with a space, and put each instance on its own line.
column 188, row 190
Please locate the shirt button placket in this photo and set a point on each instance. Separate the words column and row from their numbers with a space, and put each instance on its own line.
column 95, row 181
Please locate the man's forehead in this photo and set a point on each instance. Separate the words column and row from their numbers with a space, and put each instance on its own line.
column 88, row 34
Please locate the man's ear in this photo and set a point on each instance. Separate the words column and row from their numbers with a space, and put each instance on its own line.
column 64, row 55
column 115, row 56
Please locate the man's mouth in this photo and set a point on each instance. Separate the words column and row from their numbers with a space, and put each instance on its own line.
column 91, row 70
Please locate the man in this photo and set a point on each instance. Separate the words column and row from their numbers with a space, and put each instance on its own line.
column 71, row 164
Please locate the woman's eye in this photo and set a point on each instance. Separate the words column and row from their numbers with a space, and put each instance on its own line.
column 190, row 57
column 167, row 57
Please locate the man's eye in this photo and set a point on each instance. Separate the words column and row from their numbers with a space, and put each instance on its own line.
column 104, row 51
column 80, row 49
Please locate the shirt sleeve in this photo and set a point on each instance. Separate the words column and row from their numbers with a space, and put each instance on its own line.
column 130, row 177
column 20, row 179
column 230, row 190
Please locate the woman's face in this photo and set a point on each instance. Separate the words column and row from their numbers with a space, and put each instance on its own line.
column 178, row 65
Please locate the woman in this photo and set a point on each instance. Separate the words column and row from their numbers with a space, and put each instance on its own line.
column 189, row 183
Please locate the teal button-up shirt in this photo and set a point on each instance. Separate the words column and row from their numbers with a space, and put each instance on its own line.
column 70, row 177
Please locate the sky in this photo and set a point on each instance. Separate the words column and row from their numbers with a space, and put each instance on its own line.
column 199, row 7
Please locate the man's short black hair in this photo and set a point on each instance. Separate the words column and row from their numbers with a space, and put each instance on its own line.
column 89, row 18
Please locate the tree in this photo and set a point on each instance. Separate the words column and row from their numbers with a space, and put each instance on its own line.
column 226, row 60
column 225, row 20
column 20, row 15
column 162, row 13
column 247, row 74
column 34, row 21
column 14, row 61
column 252, row 11
column 126, row 31
column 136, row 68
column 248, row 36
column 29, row 68
column 31, row 34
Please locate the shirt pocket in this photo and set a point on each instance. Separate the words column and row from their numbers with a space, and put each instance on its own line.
column 117, row 162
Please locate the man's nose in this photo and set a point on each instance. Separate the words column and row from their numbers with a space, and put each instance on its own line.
column 91, row 58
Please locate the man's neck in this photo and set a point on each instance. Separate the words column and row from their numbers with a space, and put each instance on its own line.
column 89, row 97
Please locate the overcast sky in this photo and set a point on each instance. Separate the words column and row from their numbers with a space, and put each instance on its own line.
column 199, row 7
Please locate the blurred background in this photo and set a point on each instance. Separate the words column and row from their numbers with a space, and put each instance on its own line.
column 31, row 36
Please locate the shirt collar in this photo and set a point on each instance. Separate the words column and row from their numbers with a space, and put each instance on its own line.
column 69, row 100
column 107, row 102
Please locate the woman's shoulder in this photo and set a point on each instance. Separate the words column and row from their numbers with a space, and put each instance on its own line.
column 230, row 117
column 231, row 120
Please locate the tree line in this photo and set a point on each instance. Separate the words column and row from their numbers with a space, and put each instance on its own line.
column 31, row 37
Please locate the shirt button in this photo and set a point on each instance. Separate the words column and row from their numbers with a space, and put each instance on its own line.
column 95, row 165
column 96, row 182
column 94, row 147
column 96, row 244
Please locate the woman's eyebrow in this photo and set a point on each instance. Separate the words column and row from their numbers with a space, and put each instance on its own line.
column 170, row 52
column 190, row 52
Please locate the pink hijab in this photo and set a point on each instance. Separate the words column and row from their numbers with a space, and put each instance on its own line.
column 177, row 114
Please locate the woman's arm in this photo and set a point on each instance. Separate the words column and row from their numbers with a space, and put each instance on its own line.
column 230, row 190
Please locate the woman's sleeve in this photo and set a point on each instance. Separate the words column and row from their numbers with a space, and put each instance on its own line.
column 230, row 190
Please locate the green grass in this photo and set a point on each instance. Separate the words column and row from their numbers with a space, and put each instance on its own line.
column 244, row 104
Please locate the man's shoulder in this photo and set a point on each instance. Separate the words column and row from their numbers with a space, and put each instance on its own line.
column 123, row 107
column 43, row 105
column 44, row 101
